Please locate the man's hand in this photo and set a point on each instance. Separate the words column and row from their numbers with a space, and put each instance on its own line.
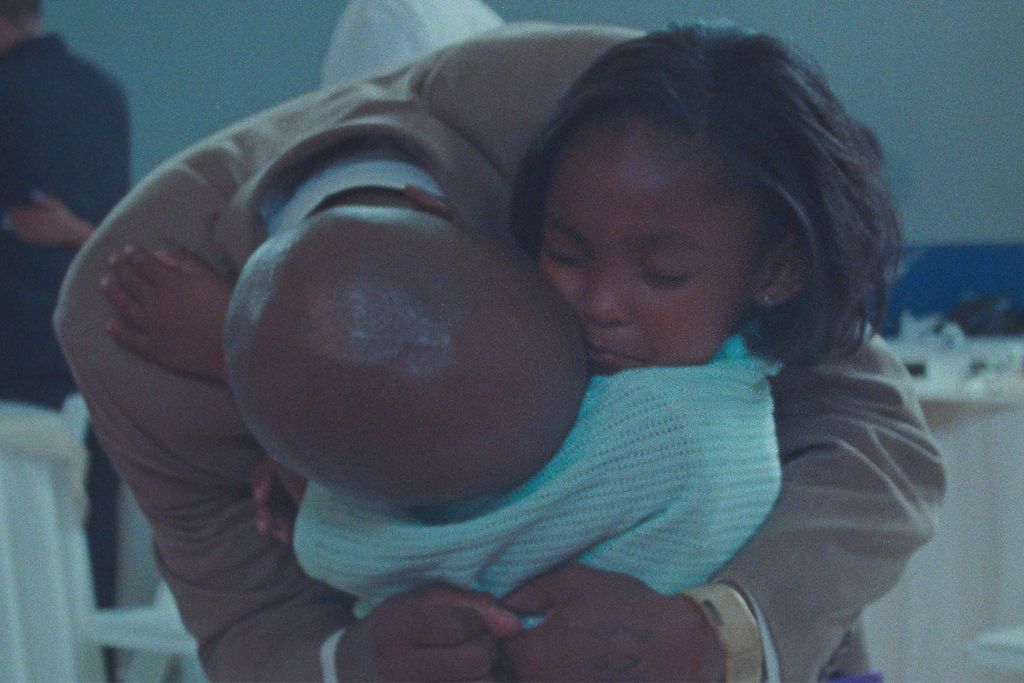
column 433, row 633
column 47, row 222
column 604, row 626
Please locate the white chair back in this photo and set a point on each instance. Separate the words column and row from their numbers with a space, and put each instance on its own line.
column 52, row 630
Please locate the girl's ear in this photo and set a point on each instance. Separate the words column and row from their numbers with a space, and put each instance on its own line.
column 783, row 274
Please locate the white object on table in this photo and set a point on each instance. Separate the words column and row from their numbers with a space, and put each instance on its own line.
column 1001, row 652
column 951, row 367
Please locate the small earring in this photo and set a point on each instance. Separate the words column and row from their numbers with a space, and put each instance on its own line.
column 767, row 300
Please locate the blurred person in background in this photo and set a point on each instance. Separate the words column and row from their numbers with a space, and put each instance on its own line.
column 64, row 163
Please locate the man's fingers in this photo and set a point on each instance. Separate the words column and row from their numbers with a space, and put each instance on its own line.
column 496, row 619
column 534, row 598
column 437, row 633
column 470, row 611
column 444, row 625
column 472, row 660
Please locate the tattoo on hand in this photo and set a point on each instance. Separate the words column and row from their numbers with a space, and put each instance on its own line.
column 622, row 647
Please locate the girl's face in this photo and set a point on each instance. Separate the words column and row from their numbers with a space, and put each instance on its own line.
column 658, row 266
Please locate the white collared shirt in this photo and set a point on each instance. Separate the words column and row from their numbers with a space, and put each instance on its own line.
column 342, row 176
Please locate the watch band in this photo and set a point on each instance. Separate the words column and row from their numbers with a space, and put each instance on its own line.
column 329, row 656
column 737, row 630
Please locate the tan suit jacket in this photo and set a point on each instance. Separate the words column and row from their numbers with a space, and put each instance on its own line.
column 857, row 501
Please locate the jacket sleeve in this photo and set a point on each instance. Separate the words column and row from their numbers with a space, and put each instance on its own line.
column 862, row 481
column 179, row 444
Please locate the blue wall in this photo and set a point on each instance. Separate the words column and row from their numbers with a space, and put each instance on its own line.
column 191, row 67
column 941, row 82
column 936, row 278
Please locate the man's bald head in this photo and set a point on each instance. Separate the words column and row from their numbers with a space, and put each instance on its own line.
column 384, row 350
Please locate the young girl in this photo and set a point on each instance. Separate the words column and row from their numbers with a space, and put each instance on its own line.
column 666, row 135
column 703, row 203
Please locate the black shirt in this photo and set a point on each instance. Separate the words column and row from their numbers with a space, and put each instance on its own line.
column 63, row 131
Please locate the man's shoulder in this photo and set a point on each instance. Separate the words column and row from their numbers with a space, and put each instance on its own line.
column 519, row 43
column 497, row 89
column 541, row 31
column 526, row 55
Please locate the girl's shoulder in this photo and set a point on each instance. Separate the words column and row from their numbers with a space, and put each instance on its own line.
column 733, row 360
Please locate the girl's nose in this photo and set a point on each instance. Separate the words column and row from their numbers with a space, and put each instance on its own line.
column 604, row 301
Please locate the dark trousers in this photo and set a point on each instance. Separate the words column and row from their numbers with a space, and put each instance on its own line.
column 102, row 487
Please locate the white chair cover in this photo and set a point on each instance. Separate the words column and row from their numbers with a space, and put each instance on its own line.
column 51, row 628
column 409, row 29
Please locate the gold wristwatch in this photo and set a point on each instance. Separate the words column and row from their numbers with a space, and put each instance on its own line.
column 737, row 630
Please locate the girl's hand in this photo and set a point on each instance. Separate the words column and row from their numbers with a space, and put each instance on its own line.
column 605, row 626
column 169, row 309
column 432, row 633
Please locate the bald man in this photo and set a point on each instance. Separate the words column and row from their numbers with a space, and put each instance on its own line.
column 861, row 476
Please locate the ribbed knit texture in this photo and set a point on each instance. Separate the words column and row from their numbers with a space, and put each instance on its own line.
column 667, row 472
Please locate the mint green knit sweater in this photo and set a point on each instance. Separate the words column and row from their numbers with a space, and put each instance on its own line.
column 667, row 472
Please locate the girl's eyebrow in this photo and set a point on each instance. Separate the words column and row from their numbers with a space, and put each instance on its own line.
column 660, row 238
column 670, row 238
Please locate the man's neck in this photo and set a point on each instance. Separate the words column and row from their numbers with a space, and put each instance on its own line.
column 14, row 34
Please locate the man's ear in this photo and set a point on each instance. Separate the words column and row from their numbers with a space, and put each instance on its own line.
column 428, row 201
column 782, row 275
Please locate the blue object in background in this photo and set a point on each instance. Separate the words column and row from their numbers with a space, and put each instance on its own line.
column 935, row 278
column 874, row 677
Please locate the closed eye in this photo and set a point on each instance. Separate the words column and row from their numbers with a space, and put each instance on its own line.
column 562, row 258
column 667, row 280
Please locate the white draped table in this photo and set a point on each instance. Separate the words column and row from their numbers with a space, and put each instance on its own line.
column 970, row 579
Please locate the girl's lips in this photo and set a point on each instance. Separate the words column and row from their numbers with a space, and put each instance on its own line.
column 612, row 360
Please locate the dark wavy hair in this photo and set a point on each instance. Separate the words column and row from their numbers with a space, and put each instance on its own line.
column 17, row 11
column 783, row 141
